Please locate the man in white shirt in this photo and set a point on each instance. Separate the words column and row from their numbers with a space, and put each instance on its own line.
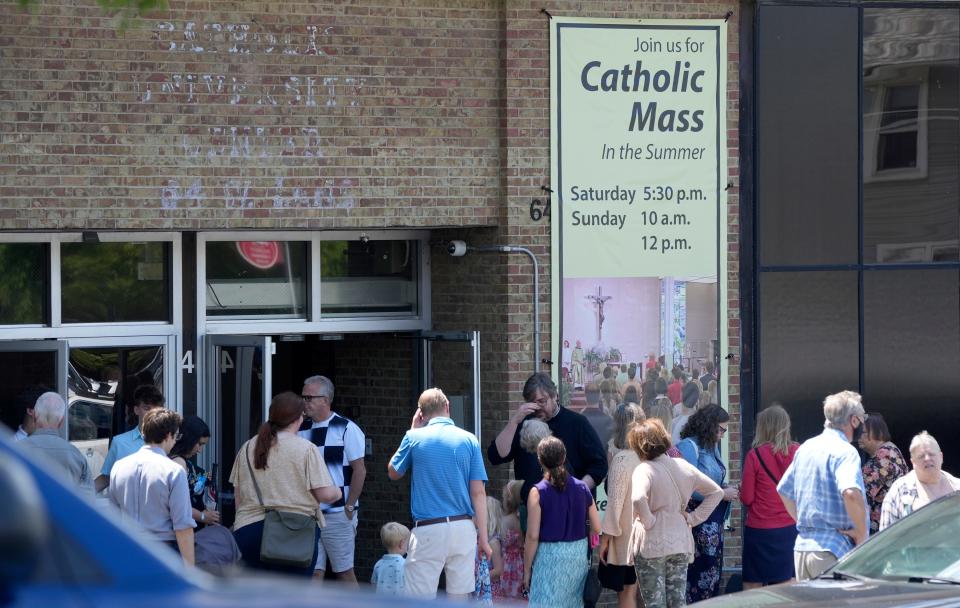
column 152, row 489
column 341, row 444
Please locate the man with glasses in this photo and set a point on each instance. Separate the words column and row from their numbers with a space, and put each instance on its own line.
column 342, row 445
column 823, row 489
column 151, row 489
column 586, row 455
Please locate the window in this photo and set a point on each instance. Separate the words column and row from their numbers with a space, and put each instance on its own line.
column 899, row 128
column 264, row 279
column 808, row 342
column 24, row 283
column 101, row 383
column 911, row 185
column 807, row 123
column 368, row 277
column 115, row 282
column 873, row 323
column 922, row 345
column 895, row 125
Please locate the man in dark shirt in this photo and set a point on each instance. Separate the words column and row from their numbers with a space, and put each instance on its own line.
column 586, row 456
column 708, row 377
column 601, row 422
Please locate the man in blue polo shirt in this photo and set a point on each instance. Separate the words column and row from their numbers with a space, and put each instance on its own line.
column 823, row 489
column 446, row 494
column 145, row 398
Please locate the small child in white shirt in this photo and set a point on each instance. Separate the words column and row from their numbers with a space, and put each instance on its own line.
column 388, row 571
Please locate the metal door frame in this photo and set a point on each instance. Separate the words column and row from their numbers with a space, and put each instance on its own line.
column 427, row 338
column 208, row 408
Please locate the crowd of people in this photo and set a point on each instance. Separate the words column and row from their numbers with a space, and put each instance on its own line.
column 660, row 541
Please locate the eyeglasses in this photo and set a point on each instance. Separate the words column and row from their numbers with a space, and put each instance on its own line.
column 312, row 397
column 723, row 430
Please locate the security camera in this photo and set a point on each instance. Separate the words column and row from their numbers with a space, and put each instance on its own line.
column 457, row 248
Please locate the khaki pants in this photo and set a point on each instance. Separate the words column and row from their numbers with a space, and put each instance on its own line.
column 448, row 547
column 811, row 564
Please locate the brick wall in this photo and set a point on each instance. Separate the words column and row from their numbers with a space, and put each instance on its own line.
column 219, row 114
column 374, row 388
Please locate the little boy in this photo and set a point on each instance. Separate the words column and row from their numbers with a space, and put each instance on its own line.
column 388, row 571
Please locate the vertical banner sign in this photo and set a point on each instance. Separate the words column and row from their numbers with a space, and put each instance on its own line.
column 639, row 176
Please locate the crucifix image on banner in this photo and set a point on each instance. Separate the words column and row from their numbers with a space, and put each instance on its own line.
column 639, row 172
column 599, row 300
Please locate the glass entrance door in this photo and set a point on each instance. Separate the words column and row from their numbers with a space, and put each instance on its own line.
column 102, row 376
column 238, row 395
column 451, row 361
column 27, row 368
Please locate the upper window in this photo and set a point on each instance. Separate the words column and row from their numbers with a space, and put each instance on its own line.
column 895, row 126
column 911, row 186
column 368, row 278
column 257, row 279
column 24, row 283
column 115, row 282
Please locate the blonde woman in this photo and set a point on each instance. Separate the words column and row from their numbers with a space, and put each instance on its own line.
column 769, row 532
column 662, row 410
column 618, row 572
column 661, row 539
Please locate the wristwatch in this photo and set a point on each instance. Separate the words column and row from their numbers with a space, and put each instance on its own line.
column 349, row 508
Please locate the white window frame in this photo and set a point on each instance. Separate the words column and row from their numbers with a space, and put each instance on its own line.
column 314, row 322
column 59, row 330
column 882, row 79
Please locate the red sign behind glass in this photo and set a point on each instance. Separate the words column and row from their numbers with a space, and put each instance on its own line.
column 260, row 254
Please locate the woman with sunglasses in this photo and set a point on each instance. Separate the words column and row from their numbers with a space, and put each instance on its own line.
column 700, row 446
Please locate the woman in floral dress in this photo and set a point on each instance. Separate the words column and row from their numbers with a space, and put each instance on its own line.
column 700, row 446
column 884, row 466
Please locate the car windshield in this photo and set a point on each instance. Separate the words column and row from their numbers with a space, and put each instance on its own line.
column 925, row 545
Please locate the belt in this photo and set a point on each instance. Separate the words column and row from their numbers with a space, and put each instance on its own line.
column 441, row 520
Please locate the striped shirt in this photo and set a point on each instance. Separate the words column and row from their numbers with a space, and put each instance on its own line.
column 823, row 467
column 445, row 459
column 339, row 441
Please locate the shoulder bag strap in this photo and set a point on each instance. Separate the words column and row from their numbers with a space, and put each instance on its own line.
column 756, row 453
column 253, row 477
column 676, row 486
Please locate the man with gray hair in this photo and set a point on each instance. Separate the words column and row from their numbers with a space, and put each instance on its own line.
column 47, row 444
column 342, row 446
column 823, row 489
